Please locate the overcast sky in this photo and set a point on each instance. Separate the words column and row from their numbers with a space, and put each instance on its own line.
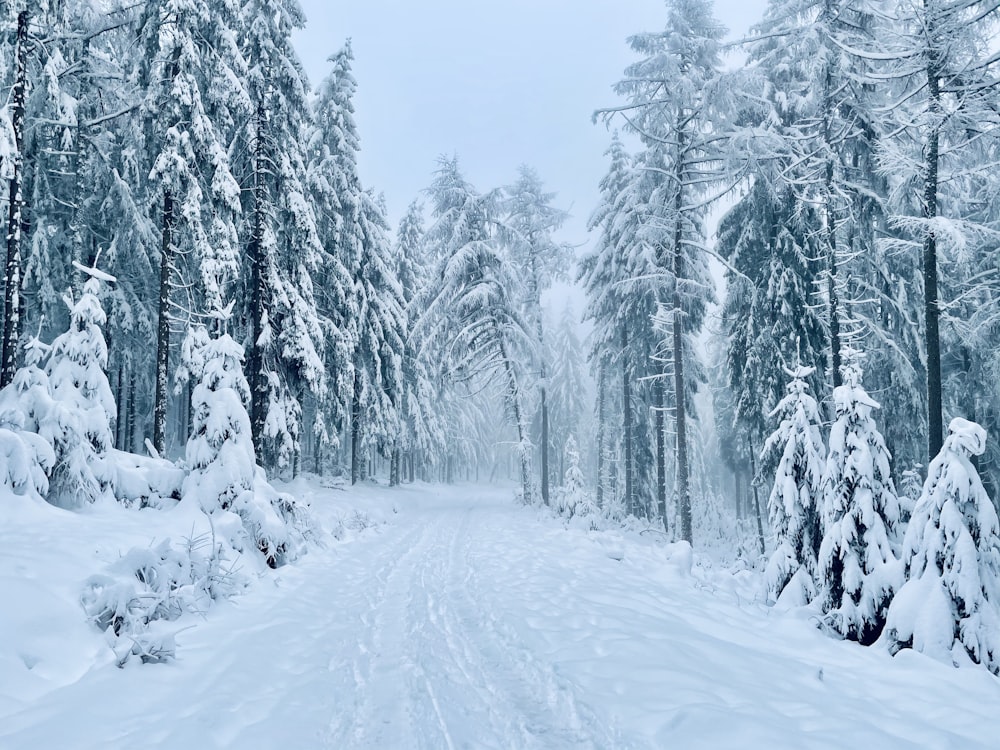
column 498, row 83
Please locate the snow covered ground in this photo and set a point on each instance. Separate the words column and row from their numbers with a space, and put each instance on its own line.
column 455, row 620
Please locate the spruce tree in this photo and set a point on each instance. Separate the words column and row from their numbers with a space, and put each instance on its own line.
column 794, row 503
column 858, row 570
column 950, row 602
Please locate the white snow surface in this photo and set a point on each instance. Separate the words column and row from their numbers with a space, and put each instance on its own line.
column 456, row 619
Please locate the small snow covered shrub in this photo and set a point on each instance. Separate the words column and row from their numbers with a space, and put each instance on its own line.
column 153, row 584
column 26, row 458
column 950, row 603
column 793, row 505
column 224, row 477
column 857, row 568
column 573, row 500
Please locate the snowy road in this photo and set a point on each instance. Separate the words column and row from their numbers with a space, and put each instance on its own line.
column 466, row 622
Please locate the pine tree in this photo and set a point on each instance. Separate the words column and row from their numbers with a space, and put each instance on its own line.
column 858, row 571
column 950, row 602
column 84, row 406
column 793, row 506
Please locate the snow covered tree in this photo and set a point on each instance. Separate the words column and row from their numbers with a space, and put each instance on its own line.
column 950, row 602
column 421, row 423
column 336, row 194
column 84, row 406
column 222, row 467
column 195, row 78
column 15, row 206
column 939, row 57
column 573, row 499
column 621, row 309
column 858, row 570
column 677, row 168
column 471, row 316
column 28, row 425
column 531, row 220
column 570, row 382
column 793, row 506
column 284, row 358
column 378, row 330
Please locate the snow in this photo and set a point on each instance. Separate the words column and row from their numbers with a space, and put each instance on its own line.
column 449, row 617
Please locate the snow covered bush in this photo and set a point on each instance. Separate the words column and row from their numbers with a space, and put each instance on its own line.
column 224, row 478
column 153, row 584
column 26, row 457
column 79, row 424
column 793, row 506
column 950, row 602
column 573, row 500
column 858, row 571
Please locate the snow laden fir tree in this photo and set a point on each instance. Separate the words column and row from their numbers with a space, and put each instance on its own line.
column 793, row 506
column 949, row 606
column 858, row 569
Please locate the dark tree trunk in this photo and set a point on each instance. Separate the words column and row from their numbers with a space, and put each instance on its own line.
column 256, row 368
column 130, row 432
column 661, row 452
column 932, row 311
column 394, row 466
column 15, row 219
column 627, row 427
column 163, row 326
column 356, row 430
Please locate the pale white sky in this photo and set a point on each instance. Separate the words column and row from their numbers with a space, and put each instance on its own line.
column 499, row 83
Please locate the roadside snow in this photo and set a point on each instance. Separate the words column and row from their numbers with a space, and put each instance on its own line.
column 447, row 617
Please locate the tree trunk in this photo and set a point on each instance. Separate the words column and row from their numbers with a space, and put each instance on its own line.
column 120, row 407
column 756, row 499
column 677, row 331
column 931, row 310
column 12, row 271
column 661, row 452
column 355, row 430
column 394, row 463
column 829, row 212
column 256, row 372
column 514, row 398
column 545, row 445
column 163, row 326
column 130, row 432
column 627, row 426
column 601, row 456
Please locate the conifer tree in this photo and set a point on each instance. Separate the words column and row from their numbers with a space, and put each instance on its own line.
column 84, row 406
column 950, row 602
column 284, row 358
column 858, row 570
column 794, row 504
column 531, row 220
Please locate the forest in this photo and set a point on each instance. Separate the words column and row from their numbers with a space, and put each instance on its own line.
column 788, row 347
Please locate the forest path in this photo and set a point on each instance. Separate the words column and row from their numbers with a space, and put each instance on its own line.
column 468, row 622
